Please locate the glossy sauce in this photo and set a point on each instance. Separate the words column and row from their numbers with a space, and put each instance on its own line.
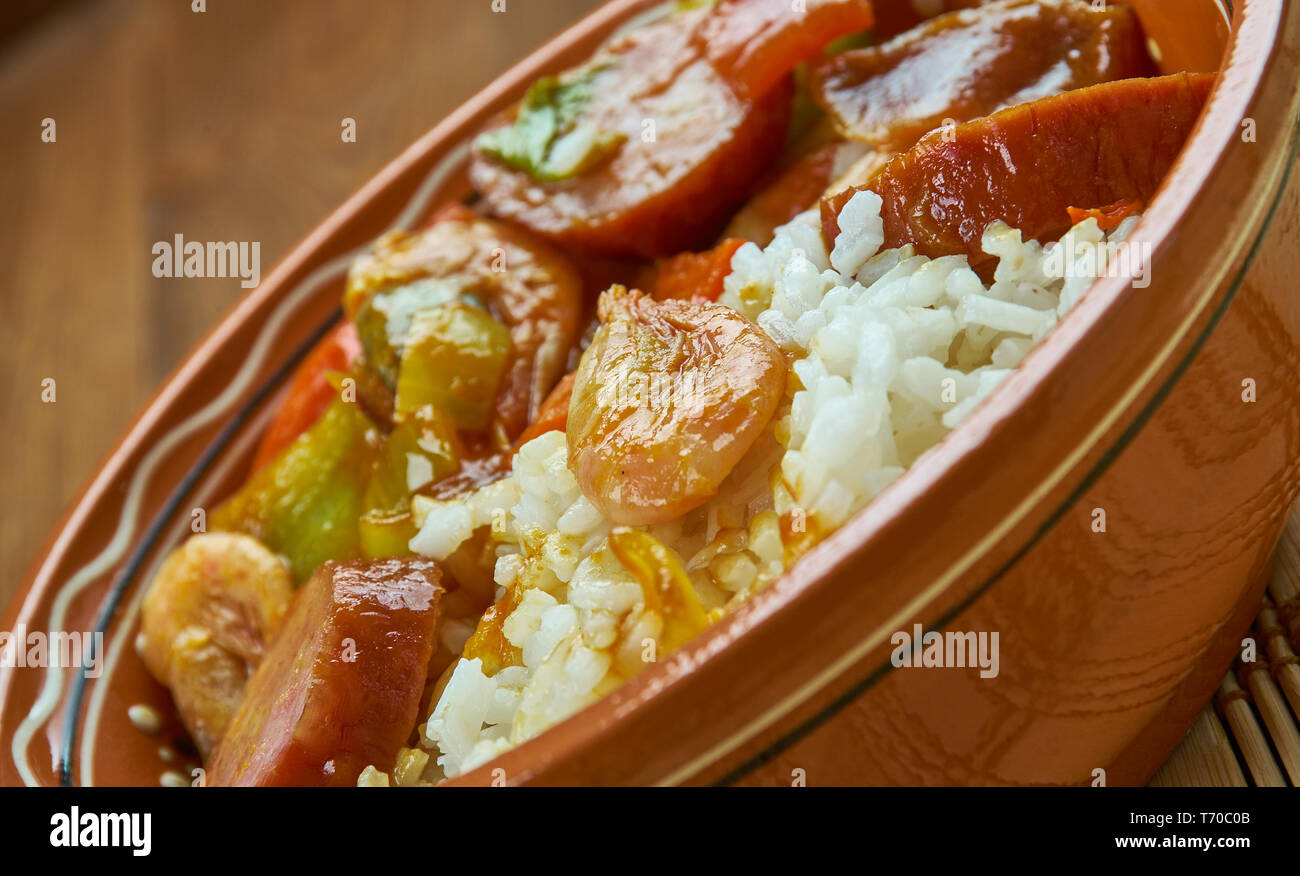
column 701, row 100
column 340, row 687
column 1027, row 165
column 970, row 63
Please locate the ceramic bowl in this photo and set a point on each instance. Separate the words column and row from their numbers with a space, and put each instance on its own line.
column 1171, row 413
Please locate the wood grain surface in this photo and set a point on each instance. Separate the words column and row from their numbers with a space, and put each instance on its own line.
column 222, row 125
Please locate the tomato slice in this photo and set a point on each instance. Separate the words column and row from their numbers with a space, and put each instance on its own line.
column 695, row 275
column 789, row 193
column 1107, row 217
column 553, row 416
column 310, row 391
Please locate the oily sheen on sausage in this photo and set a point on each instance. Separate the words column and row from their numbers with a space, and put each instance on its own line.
column 339, row 689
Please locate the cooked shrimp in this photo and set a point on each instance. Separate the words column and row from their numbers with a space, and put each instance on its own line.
column 206, row 621
column 667, row 399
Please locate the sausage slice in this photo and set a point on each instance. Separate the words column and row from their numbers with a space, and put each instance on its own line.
column 1028, row 164
column 340, row 686
column 647, row 148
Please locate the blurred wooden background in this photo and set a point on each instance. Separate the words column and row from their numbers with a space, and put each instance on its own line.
column 220, row 125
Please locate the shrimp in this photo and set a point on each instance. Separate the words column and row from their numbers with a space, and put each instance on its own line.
column 205, row 623
column 667, row 399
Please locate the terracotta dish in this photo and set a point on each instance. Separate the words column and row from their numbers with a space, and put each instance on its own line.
column 1172, row 409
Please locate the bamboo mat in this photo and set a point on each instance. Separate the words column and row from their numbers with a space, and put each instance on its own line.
column 1250, row 734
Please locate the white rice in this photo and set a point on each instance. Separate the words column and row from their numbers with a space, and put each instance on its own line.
column 889, row 349
column 892, row 349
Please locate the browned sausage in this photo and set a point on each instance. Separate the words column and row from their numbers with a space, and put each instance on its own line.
column 1020, row 50
column 673, row 123
column 895, row 16
column 1028, row 164
column 339, row 689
